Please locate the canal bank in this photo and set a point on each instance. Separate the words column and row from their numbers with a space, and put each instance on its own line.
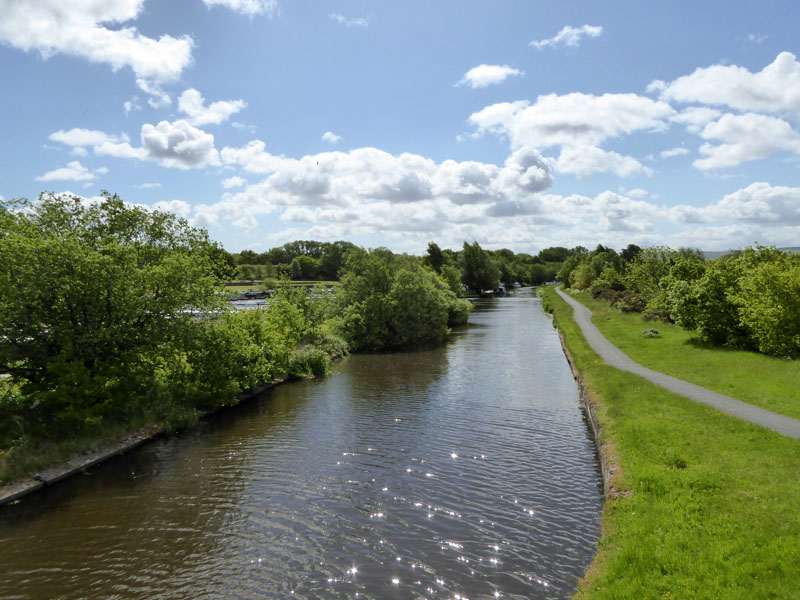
column 78, row 463
column 705, row 504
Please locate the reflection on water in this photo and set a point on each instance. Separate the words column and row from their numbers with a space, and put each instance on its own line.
column 465, row 471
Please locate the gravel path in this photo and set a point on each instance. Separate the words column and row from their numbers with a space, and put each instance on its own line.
column 614, row 357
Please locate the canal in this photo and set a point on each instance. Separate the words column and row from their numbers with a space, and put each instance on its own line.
column 466, row 471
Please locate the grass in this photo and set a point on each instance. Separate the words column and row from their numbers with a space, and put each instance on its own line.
column 705, row 505
column 771, row 383
column 21, row 461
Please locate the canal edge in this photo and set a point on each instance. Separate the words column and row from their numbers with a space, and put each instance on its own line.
column 80, row 462
column 609, row 464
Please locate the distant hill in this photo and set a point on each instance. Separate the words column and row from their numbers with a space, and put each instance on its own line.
column 712, row 254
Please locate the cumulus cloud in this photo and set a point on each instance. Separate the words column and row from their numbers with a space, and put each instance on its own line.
column 74, row 171
column 233, row 182
column 391, row 192
column 674, row 152
column 177, row 144
column 757, row 204
column 484, row 75
column 192, row 103
column 176, row 207
column 247, row 7
column 572, row 119
column 743, row 138
column 696, row 117
column 331, row 137
column 349, row 21
column 775, row 89
column 583, row 161
column 579, row 124
column 569, row 36
column 94, row 31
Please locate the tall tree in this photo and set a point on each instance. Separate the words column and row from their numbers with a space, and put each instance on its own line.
column 93, row 297
column 479, row 272
column 434, row 259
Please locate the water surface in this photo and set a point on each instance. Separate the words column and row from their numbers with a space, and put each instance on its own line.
column 466, row 471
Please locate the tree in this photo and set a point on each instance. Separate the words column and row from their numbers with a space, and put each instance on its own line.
column 390, row 301
column 94, row 300
column 434, row 258
column 333, row 259
column 630, row 252
column 479, row 272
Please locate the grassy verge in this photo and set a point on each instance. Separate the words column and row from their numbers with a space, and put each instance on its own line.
column 764, row 381
column 711, row 503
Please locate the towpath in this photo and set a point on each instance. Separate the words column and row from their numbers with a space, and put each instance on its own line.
column 614, row 357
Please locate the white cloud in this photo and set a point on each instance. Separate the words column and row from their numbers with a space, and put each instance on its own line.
column 191, row 103
column 233, row 182
column 176, row 207
column 177, row 144
column 674, row 152
column 636, row 193
column 147, row 186
column 572, row 119
column 569, row 36
column 349, row 21
column 484, row 75
column 696, row 117
column 379, row 190
column 78, row 137
column 776, row 88
column 92, row 30
column 743, row 138
column 578, row 124
column 583, row 161
column 131, row 105
column 331, row 137
column 757, row 204
column 74, row 171
column 247, row 7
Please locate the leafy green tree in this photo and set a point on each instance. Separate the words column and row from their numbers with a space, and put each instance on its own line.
column 434, row 258
column 332, row 260
column 390, row 301
column 479, row 271
column 630, row 252
column 452, row 276
column 769, row 300
column 95, row 299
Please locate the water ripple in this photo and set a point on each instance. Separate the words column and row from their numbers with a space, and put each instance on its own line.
column 466, row 471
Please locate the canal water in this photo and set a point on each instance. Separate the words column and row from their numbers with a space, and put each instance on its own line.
column 462, row 472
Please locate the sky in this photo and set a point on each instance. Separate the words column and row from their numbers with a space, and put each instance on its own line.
column 516, row 124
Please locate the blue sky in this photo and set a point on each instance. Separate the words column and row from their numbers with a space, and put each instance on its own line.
column 517, row 124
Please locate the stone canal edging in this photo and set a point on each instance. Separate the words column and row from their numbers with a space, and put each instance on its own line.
column 80, row 462
column 609, row 463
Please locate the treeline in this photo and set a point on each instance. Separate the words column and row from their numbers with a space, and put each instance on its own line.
column 111, row 314
column 304, row 260
column 748, row 299
column 309, row 260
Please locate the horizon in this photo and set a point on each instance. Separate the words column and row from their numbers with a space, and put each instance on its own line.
column 516, row 127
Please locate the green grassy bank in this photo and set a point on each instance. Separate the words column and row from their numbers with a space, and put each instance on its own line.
column 703, row 505
column 765, row 381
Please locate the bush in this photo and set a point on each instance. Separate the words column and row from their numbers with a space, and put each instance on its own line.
column 308, row 362
column 390, row 301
